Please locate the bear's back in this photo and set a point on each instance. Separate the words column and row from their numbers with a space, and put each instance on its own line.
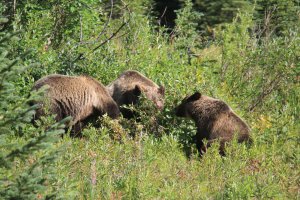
column 207, row 109
column 228, row 124
column 217, row 117
column 73, row 90
column 73, row 96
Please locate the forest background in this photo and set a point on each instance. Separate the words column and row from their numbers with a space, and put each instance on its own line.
column 244, row 52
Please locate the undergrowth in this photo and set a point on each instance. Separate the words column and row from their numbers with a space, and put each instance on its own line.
column 154, row 157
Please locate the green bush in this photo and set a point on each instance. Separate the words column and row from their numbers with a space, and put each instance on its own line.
column 27, row 153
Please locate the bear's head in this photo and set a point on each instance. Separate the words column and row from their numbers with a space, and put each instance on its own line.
column 182, row 109
column 156, row 95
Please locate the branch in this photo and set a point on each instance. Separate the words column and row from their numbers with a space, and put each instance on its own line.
column 104, row 28
column 81, row 36
column 106, row 24
column 163, row 14
column 112, row 35
column 81, row 55
column 266, row 91
column 15, row 5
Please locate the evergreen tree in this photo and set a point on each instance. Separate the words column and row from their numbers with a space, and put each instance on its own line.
column 187, row 37
column 25, row 161
column 278, row 15
column 217, row 12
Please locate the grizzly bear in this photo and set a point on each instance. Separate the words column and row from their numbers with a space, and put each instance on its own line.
column 214, row 120
column 81, row 97
column 127, row 88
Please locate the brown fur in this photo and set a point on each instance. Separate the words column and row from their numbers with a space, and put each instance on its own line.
column 214, row 119
column 81, row 97
column 127, row 88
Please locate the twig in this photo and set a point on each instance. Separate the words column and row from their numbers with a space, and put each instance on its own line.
column 163, row 14
column 106, row 24
column 81, row 55
column 15, row 5
column 104, row 28
column 120, row 35
column 111, row 36
column 265, row 92
column 81, row 36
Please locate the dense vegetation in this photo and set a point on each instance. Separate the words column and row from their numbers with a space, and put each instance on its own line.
column 249, row 58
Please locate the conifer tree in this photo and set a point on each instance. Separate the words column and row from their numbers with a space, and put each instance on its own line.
column 216, row 12
column 278, row 15
column 25, row 161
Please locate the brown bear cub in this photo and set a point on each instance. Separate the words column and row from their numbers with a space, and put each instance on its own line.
column 127, row 88
column 81, row 97
column 214, row 119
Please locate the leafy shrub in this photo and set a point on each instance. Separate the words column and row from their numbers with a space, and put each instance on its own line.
column 256, row 68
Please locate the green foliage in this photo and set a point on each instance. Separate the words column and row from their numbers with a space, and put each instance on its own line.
column 266, row 67
column 279, row 16
column 273, row 15
column 25, row 162
column 255, row 73
column 186, row 24
column 219, row 12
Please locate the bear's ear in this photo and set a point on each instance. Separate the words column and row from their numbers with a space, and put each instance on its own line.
column 194, row 97
column 161, row 90
column 137, row 90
